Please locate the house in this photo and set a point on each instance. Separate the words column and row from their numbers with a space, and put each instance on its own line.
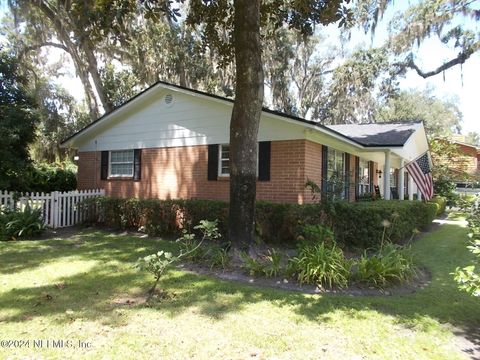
column 172, row 142
column 466, row 167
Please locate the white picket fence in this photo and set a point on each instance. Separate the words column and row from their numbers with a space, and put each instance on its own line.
column 59, row 209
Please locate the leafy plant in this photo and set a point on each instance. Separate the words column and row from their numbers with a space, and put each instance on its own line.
column 317, row 233
column 217, row 257
column 273, row 263
column 21, row 223
column 390, row 264
column 322, row 265
column 253, row 266
column 468, row 278
column 156, row 264
column 189, row 246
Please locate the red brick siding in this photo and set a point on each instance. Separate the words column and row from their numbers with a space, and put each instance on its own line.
column 181, row 172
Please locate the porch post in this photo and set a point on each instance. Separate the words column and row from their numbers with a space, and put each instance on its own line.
column 386, row 176
column 419, row 194
column 410, row 188
column 401, row 180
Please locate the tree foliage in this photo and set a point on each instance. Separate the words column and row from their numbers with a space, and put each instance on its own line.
column 440, row 117
column 18, row 116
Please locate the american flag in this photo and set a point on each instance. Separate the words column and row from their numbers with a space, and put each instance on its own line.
column 421, row 173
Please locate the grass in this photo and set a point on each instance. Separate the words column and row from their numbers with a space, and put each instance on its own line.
column 84, row 288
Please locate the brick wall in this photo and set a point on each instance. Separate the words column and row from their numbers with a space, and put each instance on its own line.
column 181, row 172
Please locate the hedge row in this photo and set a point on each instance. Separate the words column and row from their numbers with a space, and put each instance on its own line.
column 354, row 224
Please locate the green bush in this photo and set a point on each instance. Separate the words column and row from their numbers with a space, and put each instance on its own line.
column 354, row 224
column 441, row 201
column 360, row 225
column 49, row 177
column 321, row 265
column 468, row 277
column 21, row 223
column 389, row 265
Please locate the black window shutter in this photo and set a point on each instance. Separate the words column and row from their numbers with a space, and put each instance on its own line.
column 324, row 168
column 213, row 162
column 137, row 164
column 347, row 176
column 104, row 166
column 370, row 175
column 264, row 150
column 357, row 175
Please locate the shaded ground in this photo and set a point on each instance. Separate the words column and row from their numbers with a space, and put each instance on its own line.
column 84, row 288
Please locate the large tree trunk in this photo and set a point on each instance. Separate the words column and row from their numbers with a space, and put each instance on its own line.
column 245, row 121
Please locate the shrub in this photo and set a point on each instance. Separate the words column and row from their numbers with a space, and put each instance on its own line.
column 321, row 265
column 49, row 177
column 441, row 201
column 317, row 233
column 360, row 225
column 468, row 278
column 354, row 224
column 390, row 264
column 21, row 223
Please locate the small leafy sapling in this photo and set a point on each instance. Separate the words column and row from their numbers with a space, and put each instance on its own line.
column 158, row 263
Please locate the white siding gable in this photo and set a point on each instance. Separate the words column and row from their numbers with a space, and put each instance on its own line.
column 189, row 120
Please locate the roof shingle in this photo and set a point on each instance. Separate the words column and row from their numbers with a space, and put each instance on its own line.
column 379, row 134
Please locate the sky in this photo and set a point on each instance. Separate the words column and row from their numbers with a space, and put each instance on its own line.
column 461, row 83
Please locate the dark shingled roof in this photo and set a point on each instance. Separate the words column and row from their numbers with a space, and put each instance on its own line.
column 383, row 134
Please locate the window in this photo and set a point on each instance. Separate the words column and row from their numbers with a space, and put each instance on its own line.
column 121, row 163
column 224, row 161
column 336, row 173
column 336, row 160
column 393, row 178
column 363, row 177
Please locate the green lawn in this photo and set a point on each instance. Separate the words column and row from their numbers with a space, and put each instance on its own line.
column 76, row 289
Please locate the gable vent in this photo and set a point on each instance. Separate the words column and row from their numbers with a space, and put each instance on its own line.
column 168, row 99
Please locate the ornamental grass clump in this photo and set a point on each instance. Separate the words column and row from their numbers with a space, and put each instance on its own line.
column 325, row 266
column 391, row 264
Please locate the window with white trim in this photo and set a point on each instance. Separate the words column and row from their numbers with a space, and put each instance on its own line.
column 336, row 173
column 224, row 160
column 121, row 163
column 364, row 177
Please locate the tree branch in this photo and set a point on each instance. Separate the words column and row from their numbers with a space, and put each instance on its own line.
column 38, row 46
column 460, row 59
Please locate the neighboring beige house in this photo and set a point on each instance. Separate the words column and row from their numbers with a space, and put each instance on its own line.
column 172, row 142
column 468, row 168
